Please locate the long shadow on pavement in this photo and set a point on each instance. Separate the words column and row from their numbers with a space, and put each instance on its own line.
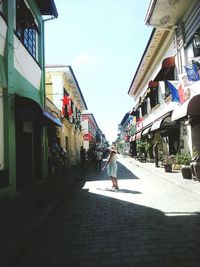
column 96, row 230
column 92, row 229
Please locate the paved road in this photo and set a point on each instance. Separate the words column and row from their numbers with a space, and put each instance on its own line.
column 149, row 222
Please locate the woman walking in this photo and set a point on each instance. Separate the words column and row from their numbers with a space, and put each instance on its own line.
column 111, row 165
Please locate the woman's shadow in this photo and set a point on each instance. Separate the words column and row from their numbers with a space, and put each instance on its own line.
column 127, row 191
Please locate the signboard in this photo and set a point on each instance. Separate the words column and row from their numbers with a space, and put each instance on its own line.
column 87, row 137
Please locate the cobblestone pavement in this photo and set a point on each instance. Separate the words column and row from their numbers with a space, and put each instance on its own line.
column 149, row 222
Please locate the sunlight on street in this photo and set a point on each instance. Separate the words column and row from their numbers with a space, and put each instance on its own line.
column 132, row 191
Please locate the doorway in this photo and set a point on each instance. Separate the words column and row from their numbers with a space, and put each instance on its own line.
column 24, row 158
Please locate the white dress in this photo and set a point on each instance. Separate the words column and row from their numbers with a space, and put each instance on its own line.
column 112, row 166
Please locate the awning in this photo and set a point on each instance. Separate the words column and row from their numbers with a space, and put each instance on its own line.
column 138, row 136
column 167, row 70
column 180, row 111
column 157, row 123
column 51, row 117
column 146, row 131
column 191, row 107
column 28, row 109
column 132, row 138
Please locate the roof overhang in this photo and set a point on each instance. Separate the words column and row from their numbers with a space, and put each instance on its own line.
column 78, row 94
column 47, row 8
column 71, row 80
column 156, row 39
column 166, row 14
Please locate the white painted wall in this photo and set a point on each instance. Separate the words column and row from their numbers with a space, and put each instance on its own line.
column 86, row 144
column 84, row 125
column 1, row 131
column 57, row 91
column 26, row 65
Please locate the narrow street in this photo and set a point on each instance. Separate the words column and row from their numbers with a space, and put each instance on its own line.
column 149, row 222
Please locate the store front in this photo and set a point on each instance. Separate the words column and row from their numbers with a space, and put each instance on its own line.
column 189, row 115
column 30, row 122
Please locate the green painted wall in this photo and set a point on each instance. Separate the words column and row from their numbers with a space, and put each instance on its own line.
column 13, row 82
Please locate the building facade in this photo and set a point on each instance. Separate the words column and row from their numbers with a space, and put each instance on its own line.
column 22, row 95
column 93, row 137
column 166, row 84
column 123, row 140
column 63, row 91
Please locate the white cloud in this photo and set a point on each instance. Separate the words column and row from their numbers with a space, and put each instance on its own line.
column 82, row 59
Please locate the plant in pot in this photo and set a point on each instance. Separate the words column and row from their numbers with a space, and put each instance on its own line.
column 168, row 161
column 177, row 162
column 141, row 152
column 184, row 159
column 149, row 151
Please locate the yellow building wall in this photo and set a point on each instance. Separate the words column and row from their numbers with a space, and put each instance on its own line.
column 71, row 139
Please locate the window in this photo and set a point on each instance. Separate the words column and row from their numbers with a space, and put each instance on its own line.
column 136, row 114
column 72, row 110
column 153, row 96
column 196, row 44
column 144, row 107
column 167, row 91
column 26, row 28
column 1, row 6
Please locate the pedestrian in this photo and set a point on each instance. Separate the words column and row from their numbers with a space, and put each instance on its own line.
column 99, row 157
column 111, row 165
column 155, row 153
column 83, row 158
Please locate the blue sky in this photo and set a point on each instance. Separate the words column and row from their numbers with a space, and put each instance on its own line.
column 103, row 41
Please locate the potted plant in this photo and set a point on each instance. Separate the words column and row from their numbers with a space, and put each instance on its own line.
column 168, row 160
column 141, row 152
column 177, row 162
column 184, row 159
column 149, row 151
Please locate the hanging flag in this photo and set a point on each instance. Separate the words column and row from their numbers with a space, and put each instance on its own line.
column 65, row 100
column 192, row 73
column 174, row 91
column 69, row 108
column 181, row 94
